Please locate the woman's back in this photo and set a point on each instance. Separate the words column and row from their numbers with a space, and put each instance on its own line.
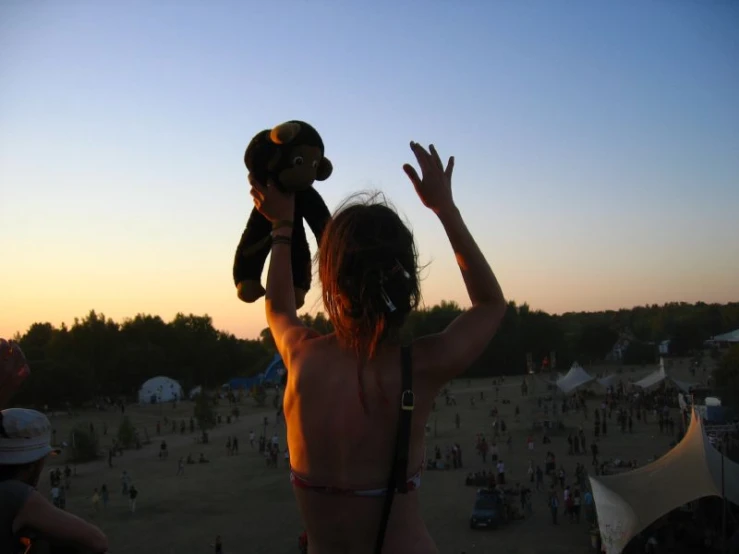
column 333, row 442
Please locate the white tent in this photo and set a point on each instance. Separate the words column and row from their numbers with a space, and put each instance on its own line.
column 196, row 391
column 574, row 378
column 732, row 336
column 628, row 503
column 653, row 378
column 608, row 380
column 659, row 376
column 160, row 389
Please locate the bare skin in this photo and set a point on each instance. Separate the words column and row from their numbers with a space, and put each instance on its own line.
column 331, row 440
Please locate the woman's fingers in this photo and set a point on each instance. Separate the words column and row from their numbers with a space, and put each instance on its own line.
column 412, row 175
column 449, row 169
column 436, row 158
column 422, row 156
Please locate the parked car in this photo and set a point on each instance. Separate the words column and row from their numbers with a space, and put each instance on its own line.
column 488, row 510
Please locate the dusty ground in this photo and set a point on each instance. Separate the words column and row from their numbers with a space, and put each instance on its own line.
column 252, row 507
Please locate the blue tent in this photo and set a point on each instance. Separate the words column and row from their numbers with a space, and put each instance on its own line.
column 274, row 372
column 245, row 383
column 273, row 375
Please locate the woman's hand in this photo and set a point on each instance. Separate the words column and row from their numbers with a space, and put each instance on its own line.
column 271, row 202
column 435, row 188
column 13, row 370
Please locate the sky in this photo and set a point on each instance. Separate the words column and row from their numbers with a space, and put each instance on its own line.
column 596, row 145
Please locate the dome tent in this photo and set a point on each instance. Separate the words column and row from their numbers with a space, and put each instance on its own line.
column 160, row 389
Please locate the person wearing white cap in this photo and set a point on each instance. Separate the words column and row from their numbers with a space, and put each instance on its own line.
column 24, row 445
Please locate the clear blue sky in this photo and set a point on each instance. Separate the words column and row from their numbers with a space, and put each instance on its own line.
column 597, row 144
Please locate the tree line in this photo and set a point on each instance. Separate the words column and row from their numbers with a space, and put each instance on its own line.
column 97, row 357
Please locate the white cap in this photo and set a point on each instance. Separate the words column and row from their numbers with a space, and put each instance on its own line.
column 25, row 436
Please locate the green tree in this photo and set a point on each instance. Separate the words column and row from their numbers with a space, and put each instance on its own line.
column 96, row 356
column 204, row 413
column 84, row 445
column 595, row 342
column 638, row 352
column 126, row 433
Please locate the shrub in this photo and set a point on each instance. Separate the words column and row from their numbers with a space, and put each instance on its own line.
column 84, row 445
column 126, row 433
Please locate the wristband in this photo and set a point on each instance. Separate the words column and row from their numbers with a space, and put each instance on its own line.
column 281, row 239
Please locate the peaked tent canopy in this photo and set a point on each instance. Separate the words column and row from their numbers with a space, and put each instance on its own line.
column 608, row 380
column 654, row 377
column 574, row 378
column 630, row 502
column 732, row 336
column 160, row 389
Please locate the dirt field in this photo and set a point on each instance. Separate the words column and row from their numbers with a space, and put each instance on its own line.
column 252, row 506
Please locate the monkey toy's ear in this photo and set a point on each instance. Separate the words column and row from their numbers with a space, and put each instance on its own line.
column 285, row 132
column 259, row 153
column 324, row 170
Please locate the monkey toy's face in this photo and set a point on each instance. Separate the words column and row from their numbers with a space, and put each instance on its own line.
column 298, row 167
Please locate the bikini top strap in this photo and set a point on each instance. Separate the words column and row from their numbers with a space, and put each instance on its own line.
column 407, row 404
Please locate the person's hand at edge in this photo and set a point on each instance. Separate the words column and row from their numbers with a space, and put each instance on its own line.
column 13, row 370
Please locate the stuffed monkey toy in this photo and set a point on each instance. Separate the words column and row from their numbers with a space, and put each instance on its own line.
column 289, row 156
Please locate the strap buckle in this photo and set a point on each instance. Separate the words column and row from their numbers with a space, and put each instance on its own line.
column 407, row 400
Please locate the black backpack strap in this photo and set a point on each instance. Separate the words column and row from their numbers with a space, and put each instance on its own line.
column 399, row 468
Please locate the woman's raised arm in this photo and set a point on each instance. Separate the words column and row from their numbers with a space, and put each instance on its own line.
column 450, row 352
column 282, row 317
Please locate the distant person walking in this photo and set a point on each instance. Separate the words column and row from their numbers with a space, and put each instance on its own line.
column 133, row 493
column 125, row 482
column 96, row 501
column 104, row 495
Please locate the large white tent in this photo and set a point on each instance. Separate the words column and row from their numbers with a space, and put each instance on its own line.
column 160, row 389
column 573, row 379
column 630, row 502
column 732, row 336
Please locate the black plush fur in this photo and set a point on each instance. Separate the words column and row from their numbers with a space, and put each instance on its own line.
column 291, row 157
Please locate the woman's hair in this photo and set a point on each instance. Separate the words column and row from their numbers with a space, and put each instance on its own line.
column 367, row 264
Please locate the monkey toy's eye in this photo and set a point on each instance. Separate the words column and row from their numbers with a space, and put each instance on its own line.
column 298, row 160
column 315, row 164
